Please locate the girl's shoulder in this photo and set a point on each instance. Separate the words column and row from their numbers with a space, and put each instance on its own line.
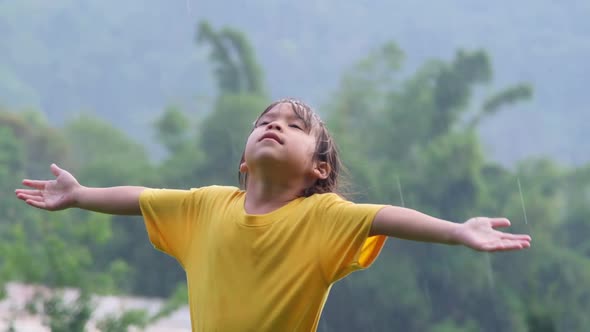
column 220, row 192
column 326, row 200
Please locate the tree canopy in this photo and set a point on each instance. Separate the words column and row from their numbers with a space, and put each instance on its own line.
column 407, row 140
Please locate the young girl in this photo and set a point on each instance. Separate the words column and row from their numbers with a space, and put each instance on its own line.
column 264, row 258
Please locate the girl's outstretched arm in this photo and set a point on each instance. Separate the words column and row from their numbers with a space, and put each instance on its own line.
column 476, row 233
column 65, row 192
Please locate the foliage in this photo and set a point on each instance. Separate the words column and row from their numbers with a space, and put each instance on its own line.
column 237, row 70
column 407, row 139
column 59, row 315
column 172, row 129
column 420, row 129
column 121, row 323
column 126, row 60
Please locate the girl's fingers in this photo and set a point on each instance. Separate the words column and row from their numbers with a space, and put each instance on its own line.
column 525, row 244
column 55, row 170
column 515, row 245
column 499, row 222
column 22, row 196
column 37, row 184
column 516, row 237
column 29, row 192
column 506, row 245
column 37, row 204
column 35, row 198
column 26, row 197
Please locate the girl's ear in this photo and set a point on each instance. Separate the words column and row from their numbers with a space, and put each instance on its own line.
column 322, row 170
column 243, row 168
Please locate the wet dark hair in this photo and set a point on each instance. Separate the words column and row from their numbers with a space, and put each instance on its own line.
column 325, row 150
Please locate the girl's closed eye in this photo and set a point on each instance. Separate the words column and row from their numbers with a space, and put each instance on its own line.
column 294, row 125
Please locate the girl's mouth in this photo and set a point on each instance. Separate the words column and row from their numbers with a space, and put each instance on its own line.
column 271, row 135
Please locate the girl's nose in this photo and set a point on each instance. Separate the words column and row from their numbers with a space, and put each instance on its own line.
column 274, row 125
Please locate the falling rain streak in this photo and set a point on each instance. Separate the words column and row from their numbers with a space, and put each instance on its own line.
column 401, row 194
column 188, row 7
column 522, row 201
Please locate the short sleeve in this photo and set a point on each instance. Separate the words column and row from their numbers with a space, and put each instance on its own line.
column 346, row 245
column 171, row 217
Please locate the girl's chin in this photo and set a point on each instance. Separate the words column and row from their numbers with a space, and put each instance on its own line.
column 271, row 161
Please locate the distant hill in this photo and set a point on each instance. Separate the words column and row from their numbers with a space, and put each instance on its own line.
column 126, row 61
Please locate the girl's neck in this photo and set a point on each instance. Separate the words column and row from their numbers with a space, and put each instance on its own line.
column 262, row 198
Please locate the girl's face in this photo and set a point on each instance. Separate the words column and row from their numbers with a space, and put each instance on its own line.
column 280, row 142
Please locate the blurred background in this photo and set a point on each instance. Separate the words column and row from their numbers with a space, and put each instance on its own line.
column 455, row 108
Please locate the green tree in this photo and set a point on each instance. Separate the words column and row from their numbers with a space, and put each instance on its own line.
column 222, row 137
column 237, row 70
column 241, row 97
column 172, row 129
column 411, row 142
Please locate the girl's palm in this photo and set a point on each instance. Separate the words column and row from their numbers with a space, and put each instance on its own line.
column 51, row 195
column 480, row 234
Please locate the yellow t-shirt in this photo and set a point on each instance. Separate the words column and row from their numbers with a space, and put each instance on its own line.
column 268, row 272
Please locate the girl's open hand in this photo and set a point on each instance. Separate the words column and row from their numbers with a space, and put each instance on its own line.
column 481, row 234
column 50, row 195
